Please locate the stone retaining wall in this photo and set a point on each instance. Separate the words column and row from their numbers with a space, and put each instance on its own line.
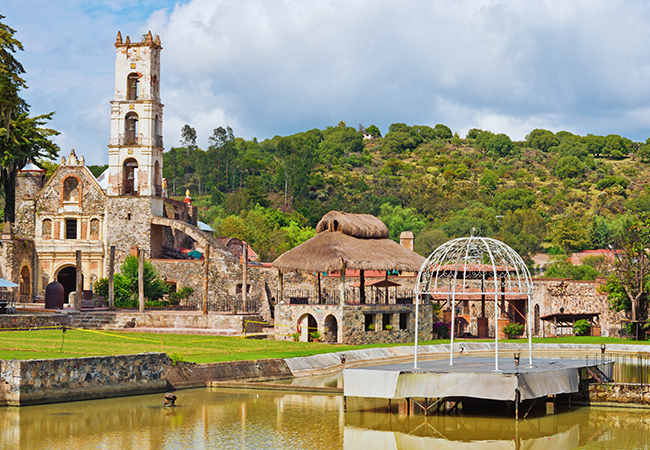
column 40, row 381
column 27, row 321
column 619, row 393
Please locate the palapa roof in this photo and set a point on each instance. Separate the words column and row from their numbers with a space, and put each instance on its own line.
column 358, row 241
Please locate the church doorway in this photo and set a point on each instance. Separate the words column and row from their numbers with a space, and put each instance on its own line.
column 68, row 279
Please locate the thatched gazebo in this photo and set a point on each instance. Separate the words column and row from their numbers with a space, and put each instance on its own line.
column 348, row 241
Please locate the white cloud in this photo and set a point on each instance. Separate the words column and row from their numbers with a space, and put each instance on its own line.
column 284, row 66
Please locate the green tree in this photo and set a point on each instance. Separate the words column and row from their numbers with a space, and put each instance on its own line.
column 570, row 235
column 499, row 145
column 514, row 199
column 399, row 219
column 569, row 167
column 443, row 132
column 542, row 139
column 373, row 130
column 28, row 140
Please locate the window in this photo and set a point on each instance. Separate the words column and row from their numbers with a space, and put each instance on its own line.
column 133, row 86
column 46, row 232
column 131, row 129
column 71, row 190
column 403, row 321
column 25, row 288
column 94, row 229
column 369, row 322
column 238, row 288
column 71, row 228
column 385, row 320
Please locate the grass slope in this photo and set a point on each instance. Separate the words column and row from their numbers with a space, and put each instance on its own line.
column 75, row 343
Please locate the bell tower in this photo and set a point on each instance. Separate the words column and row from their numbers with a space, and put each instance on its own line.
column 135, row 148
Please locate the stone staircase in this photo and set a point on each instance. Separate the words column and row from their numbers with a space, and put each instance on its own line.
column 125, row 321
column 100, row 321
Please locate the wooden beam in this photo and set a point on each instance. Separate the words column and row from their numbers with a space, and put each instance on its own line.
column 79, row 285
column 111, row 277
column 141, row 280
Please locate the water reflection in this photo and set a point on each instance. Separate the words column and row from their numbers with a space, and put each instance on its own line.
column 581, row 428
column 275, row 420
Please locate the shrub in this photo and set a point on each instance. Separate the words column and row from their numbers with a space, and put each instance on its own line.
column 388, row 327
column 442, row 329
column 296, row 337
column 581, row 327
column 513, row 330
column 182, row 294
column 314, row 336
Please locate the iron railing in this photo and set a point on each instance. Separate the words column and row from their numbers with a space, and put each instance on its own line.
column 352, row 297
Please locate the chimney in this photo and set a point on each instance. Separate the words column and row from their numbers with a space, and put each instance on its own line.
column 406, row 239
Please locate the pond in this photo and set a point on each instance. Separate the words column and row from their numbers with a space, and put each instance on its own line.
column 246, row 419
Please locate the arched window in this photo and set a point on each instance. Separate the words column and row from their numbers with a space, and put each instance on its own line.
column 129, row 175
column 132, row 86
column 131, row 129
column 157, row 179
column 156, row 132
column 71, row 190
column 94, row 229
column 46, row 231
column 25, row 282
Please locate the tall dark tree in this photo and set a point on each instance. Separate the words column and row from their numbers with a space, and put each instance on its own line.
column 22, row 138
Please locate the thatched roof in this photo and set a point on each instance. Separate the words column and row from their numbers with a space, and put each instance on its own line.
column 357, row 225
column 360, row 241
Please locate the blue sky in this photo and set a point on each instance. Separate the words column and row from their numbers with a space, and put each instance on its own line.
column 267, row 67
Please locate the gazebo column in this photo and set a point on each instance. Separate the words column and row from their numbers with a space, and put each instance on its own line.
column 342, row 285
column 280, row 287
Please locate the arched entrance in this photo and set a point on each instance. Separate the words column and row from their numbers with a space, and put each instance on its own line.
column 331, row 329
column 25, row 284
column 306, row 324
column 68, row 278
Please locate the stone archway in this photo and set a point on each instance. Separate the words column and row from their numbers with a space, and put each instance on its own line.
column 306, row 324
column 331, row 331
column 25, row 285
column 67, row 276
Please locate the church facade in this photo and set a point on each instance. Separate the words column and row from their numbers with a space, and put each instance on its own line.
column 125, row 208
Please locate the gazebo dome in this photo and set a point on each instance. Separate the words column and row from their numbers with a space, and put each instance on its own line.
column 476, row 268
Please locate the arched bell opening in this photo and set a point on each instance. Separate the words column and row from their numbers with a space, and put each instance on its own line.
column 131, row 131
column 129, row 176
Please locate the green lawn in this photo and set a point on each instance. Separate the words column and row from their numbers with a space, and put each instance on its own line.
column 46, row 344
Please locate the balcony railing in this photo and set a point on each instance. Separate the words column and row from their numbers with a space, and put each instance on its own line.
column 158, row 141
column 352, row 297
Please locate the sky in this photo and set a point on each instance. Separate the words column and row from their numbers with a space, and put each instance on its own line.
column 279, row 67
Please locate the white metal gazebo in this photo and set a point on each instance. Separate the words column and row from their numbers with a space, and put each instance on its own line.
column 476, row 269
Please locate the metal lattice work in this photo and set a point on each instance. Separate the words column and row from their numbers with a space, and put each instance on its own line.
column 476, row 269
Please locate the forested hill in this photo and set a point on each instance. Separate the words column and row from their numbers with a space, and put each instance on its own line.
column 555, row 191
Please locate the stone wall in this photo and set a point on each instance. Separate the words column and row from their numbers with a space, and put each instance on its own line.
column 17, row 255
column 350, row 322
column 57, row 380
column 355, row 331
column 129, row 225
column 574, row 297
column 619, row 393
column 27, row 321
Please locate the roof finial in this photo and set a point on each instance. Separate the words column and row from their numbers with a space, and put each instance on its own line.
column 119, row 38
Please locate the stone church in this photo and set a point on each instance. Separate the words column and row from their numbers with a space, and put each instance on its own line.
column 126, row 207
